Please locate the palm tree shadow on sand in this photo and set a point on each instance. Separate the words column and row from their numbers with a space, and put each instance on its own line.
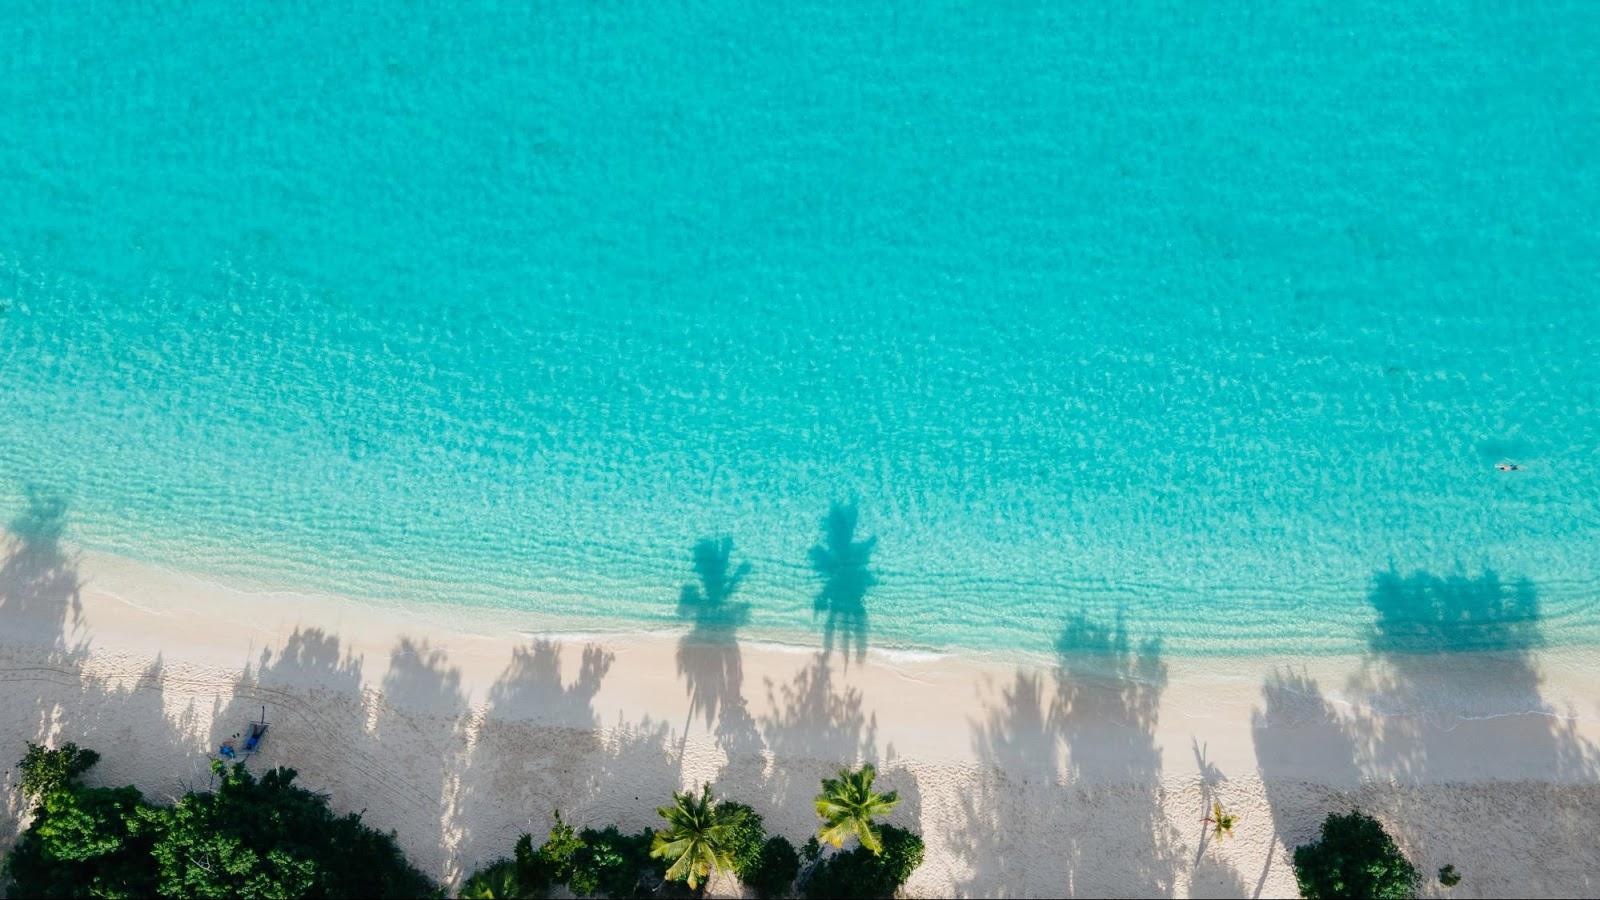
column 1451, row 681
column 1089, row 734
column 708, row 655
column 54, row 697
column 842, row 563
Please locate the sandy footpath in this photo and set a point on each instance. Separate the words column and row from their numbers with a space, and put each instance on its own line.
column 1085, row 775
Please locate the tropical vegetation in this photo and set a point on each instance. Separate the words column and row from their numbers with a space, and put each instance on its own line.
column 701, row 836
column 264, row 836
column 698, row 837
column 249, row 837
column 1354, row 857
column 847, row 806
column 860, row 873
column 1221, row 821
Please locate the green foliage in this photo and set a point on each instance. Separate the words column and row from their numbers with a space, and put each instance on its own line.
column 249, row 839
column 697, row 839
column 45, row 770
column 775, row 869
column 1221, row 820
column 588, row 862
column 496, row 881
column 1449, row 877
column 269, row 838
column 766, row 865
column 848, row 804
column 552, row 863
column 1355, row 858
column 811, row 850
column 83, row 841
column 860, row 873
column 745, row 838
column 611, row 862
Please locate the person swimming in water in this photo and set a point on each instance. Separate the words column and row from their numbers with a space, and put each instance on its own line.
column 1507, row 467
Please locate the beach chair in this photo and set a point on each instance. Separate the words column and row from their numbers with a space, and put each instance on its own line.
column 253, row 736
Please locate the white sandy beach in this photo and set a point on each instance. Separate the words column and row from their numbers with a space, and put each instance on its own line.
column 459, row 732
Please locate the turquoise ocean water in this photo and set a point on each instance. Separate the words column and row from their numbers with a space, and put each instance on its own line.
column 1203, row 317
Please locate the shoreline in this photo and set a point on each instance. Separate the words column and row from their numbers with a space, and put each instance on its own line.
column 460, row 731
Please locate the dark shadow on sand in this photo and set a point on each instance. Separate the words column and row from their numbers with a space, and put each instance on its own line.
column 123, row 715
column 815, row 726
column 1451, row 682
column 1046, row 746
column 708, row 655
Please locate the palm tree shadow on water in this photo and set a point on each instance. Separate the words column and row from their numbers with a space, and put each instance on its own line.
column 40, row 589
column 843, row 564
column 1451, row 682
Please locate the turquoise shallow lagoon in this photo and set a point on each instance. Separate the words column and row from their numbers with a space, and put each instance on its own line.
column 1209, row 319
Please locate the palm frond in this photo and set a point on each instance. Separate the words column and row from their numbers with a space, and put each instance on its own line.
column 847, row 806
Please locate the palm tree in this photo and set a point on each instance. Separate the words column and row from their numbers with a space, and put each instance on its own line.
column 1221, row 821
column 848, row 804
column 698, row 837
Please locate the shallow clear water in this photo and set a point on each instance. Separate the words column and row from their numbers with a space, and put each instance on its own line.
column 1205, row 319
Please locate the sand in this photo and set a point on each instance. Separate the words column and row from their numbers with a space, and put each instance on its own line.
column 1084, row 776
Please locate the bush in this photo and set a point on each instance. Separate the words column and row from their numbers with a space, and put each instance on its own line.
column 775, row 869
column 766, row 865
column 45, row 770
column 588, row 862
column 748, row 836
column 552, row 863
column 268, row 837
column 496, row 881
column 611, row 863
column 860, row 874
column 811, row 850
column 83, row 842
column 1354, row 858
column 256, row 838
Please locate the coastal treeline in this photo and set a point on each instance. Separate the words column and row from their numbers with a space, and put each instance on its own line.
column 268, row 837
column 249, row 837
column 702, row 836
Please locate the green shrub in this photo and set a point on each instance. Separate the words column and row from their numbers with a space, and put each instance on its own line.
column 749, row 834
column 775, row 869
column 268, row 837
column 1449, row 877
column 1354, row 858
column 610, row 862
column 251, row 837
column 811, row 850
column 766, row 865
column 83, row 842
column 551, row 863
column 45, row 770
column 587, row 862
column 859, row 873
column 496, row 881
